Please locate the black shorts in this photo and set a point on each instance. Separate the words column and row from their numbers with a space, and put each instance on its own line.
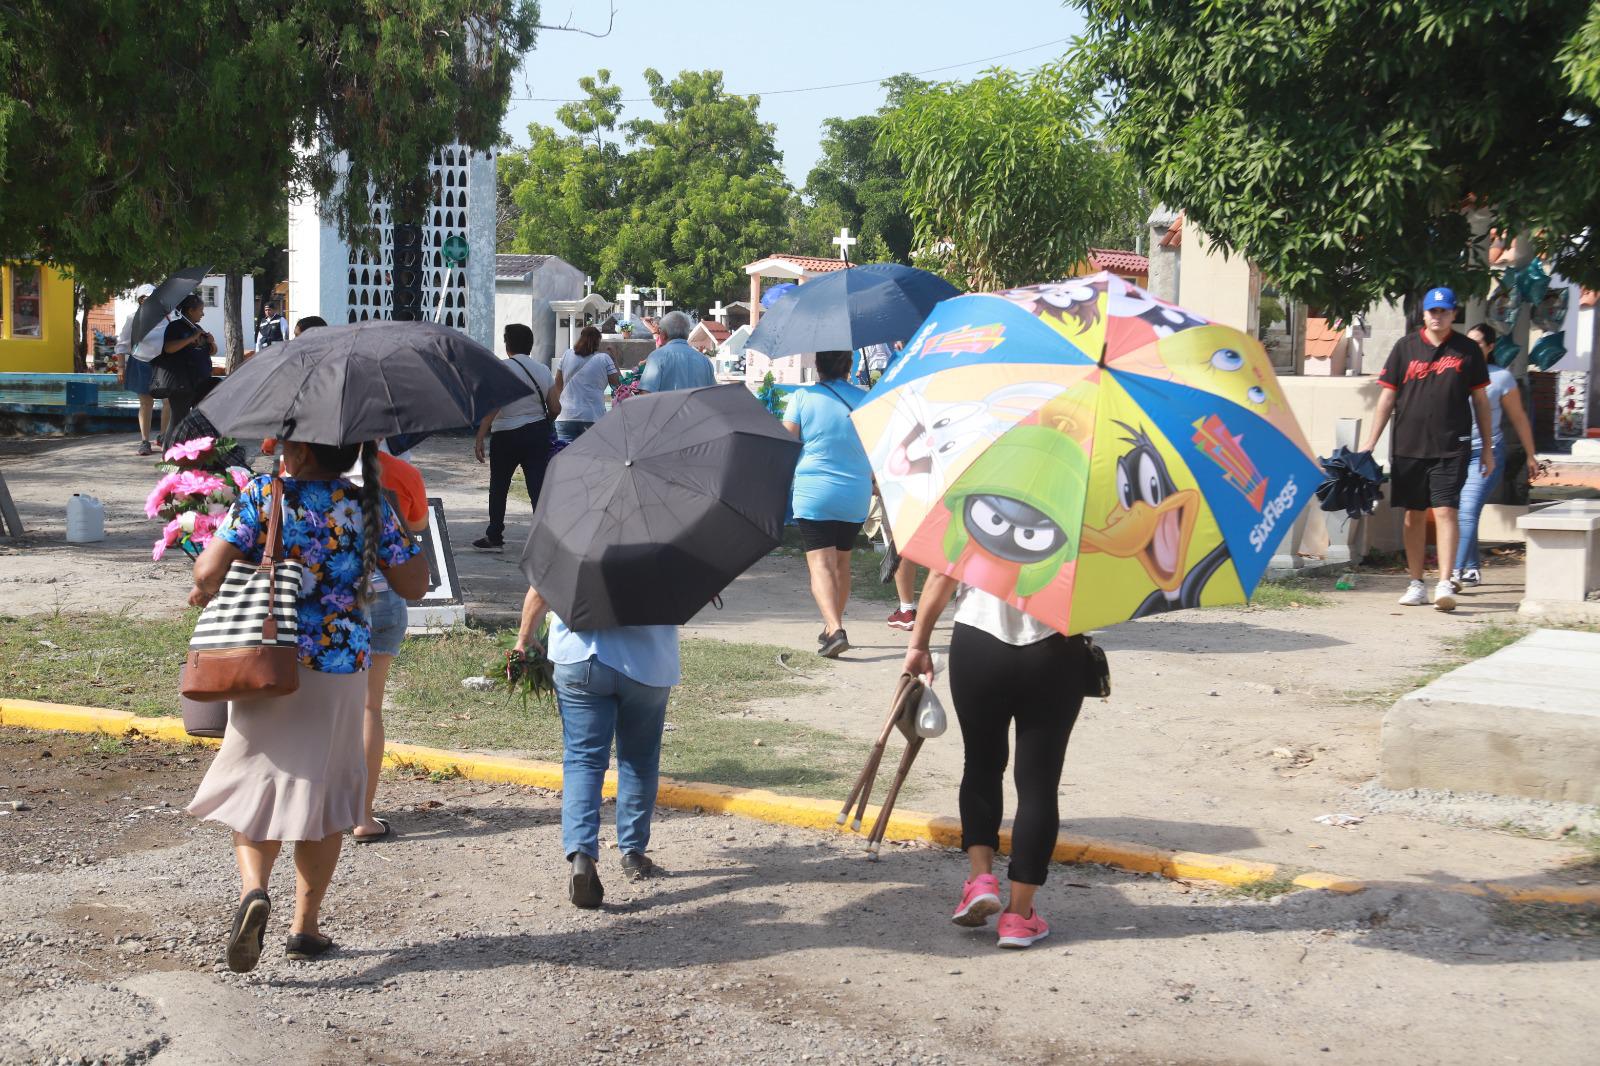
column 1418, row 484
column 817, row 534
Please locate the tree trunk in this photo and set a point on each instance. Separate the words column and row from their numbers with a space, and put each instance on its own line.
column 80, row 330
column 232, row 341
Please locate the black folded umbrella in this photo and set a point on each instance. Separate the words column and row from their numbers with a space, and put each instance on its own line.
column 1352, row 483
column 650, row 514
column 368, row 381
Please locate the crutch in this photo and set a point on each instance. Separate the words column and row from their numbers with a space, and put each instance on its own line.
column 902, row 716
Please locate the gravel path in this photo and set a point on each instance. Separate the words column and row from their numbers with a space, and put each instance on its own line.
column 762, row 944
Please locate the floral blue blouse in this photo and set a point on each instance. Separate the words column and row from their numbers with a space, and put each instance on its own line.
column 322, row 531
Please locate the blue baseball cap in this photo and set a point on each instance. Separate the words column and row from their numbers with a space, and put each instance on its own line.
column 1440, row 297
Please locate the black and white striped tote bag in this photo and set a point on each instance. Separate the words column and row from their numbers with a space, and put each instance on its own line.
column 246, row 643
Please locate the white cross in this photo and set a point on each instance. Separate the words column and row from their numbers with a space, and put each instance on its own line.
column 844, row 241
column 720, row 313
column 627, row 298
column 588, row 285
column 660, row 303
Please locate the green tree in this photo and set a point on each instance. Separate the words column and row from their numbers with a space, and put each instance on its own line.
column 685, row 201
column 133, row 141
column 1007, row 177
column 1353, row 148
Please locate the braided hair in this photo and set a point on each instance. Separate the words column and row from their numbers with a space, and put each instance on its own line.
column 371, row 518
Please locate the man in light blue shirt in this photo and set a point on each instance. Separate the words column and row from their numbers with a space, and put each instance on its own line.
column 675, row 365
column 613, row 684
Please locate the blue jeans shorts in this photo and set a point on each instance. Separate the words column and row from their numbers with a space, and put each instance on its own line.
column 387, row 616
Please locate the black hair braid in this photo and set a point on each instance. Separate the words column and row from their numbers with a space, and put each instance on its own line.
column 371, row 517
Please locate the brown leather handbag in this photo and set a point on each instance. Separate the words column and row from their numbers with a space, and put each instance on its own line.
column 245, row 645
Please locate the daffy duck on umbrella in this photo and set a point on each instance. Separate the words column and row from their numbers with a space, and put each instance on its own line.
column 1154, row 522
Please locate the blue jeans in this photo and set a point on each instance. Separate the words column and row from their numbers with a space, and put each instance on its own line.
column 1474, row 494
column 598, row 703
column 571, row 429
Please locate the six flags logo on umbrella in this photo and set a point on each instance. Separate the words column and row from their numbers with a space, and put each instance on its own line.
column 1227, row 451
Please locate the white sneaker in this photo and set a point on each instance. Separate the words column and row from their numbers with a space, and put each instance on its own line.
column 1416, row 595
column 1444, row 596
column 1471, row 576
column 1455, row 580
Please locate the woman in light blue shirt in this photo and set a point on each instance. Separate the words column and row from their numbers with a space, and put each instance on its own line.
column 1505, row 402
column 832, row 488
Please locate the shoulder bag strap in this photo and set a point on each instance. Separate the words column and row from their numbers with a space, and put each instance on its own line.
column 271, row 553
column 836, row 396
column 534, row 382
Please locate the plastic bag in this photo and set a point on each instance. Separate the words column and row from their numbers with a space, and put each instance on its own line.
column 931, row 720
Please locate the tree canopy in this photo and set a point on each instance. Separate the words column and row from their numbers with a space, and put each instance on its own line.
column 1353, row 149
column 1007, row 177
column 684, row 200
column 133, row 140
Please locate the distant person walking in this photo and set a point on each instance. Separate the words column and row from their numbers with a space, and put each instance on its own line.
column 293, row 767
column 516, row 436
column 273, row 328
column 135, row 371
column 676, row 365
column 832, row 489
column 1434, row 386
column 183, row 369
column 1005, row 668
column 1505, row 403
column 580, row 385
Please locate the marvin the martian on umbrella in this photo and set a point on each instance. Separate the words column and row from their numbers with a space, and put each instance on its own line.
column 1087, row 453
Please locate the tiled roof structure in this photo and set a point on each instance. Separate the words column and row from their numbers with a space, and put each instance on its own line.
column 517, row 266
column 1119, row 262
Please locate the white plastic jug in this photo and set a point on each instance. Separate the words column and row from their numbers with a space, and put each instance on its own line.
column 86, row 519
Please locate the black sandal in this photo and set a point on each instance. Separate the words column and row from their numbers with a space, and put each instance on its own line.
column 249, row 931
column 373, row 838
column 304, row 947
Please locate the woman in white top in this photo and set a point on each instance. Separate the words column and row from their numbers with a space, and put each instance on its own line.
column 1005, row 667
column 581, row 381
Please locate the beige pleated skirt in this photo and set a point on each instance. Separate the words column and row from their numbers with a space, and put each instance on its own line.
column 291, row 767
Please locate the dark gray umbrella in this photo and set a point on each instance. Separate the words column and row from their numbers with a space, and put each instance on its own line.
column 347, row 384
column 874, row 304
column 168, row 294
column 649, row 515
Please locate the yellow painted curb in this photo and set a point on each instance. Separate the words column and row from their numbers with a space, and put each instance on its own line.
column 800, row 811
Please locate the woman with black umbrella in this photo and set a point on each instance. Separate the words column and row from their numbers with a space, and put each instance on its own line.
column 183, row 369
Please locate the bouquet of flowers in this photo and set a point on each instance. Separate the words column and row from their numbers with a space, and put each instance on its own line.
column 530, row 672
column 196, row 489
column 627, row 384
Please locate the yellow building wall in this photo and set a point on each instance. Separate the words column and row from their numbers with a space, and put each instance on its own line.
column 51, row 352
column 1221, row 288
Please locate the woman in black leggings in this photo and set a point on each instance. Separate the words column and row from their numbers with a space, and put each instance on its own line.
column 1005, row 667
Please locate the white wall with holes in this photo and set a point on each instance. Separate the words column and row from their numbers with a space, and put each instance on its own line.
column 340, row 283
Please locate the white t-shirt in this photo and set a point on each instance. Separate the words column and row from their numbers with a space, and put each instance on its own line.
column 583, row 386
column 528, row 409
column 999, row 619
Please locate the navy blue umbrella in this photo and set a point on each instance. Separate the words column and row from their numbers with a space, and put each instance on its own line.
column 874, row 304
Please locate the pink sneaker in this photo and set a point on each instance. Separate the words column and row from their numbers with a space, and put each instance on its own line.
column 1019, row 932
column 980, row 897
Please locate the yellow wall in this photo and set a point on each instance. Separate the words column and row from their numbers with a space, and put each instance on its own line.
column 50, row 353
column 1222, row 289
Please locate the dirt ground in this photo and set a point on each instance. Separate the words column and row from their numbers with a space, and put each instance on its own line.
column 1229, row 731
column 761, row 944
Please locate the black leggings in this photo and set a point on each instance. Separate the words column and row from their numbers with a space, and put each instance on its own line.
column 527, row 447
column 1041, row 687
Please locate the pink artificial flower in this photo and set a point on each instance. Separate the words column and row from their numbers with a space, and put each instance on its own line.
column 189, row 450
column 241, row 477
column 205, row 526
column 197, row 483
column 159, row 496
column 169, row 536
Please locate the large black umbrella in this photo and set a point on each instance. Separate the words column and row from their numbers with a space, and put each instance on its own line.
column 652, row 512
column 168, row 294
column 346, row 384
column 874, row 304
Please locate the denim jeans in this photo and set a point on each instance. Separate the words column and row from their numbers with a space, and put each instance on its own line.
column 598, row 703
column 1474, row 494
column 571, row 429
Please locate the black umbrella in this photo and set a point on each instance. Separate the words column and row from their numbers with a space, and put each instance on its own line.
column 168, row 294
column 1352, row 482
column 346, row 384
column 651, row 513
column 874, row 304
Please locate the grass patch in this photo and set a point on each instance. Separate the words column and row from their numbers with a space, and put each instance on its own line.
column 116, row 661
column 711, row 738
column 1551, row 919
column 1287, row 596
column 1483, row 638
column 1269, row 889
column 107, row 746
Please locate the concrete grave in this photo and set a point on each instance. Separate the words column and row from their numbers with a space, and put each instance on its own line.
column 1563, row 561
column 1524, row 721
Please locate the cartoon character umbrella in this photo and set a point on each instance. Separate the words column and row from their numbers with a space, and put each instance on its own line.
column 1086, row 452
